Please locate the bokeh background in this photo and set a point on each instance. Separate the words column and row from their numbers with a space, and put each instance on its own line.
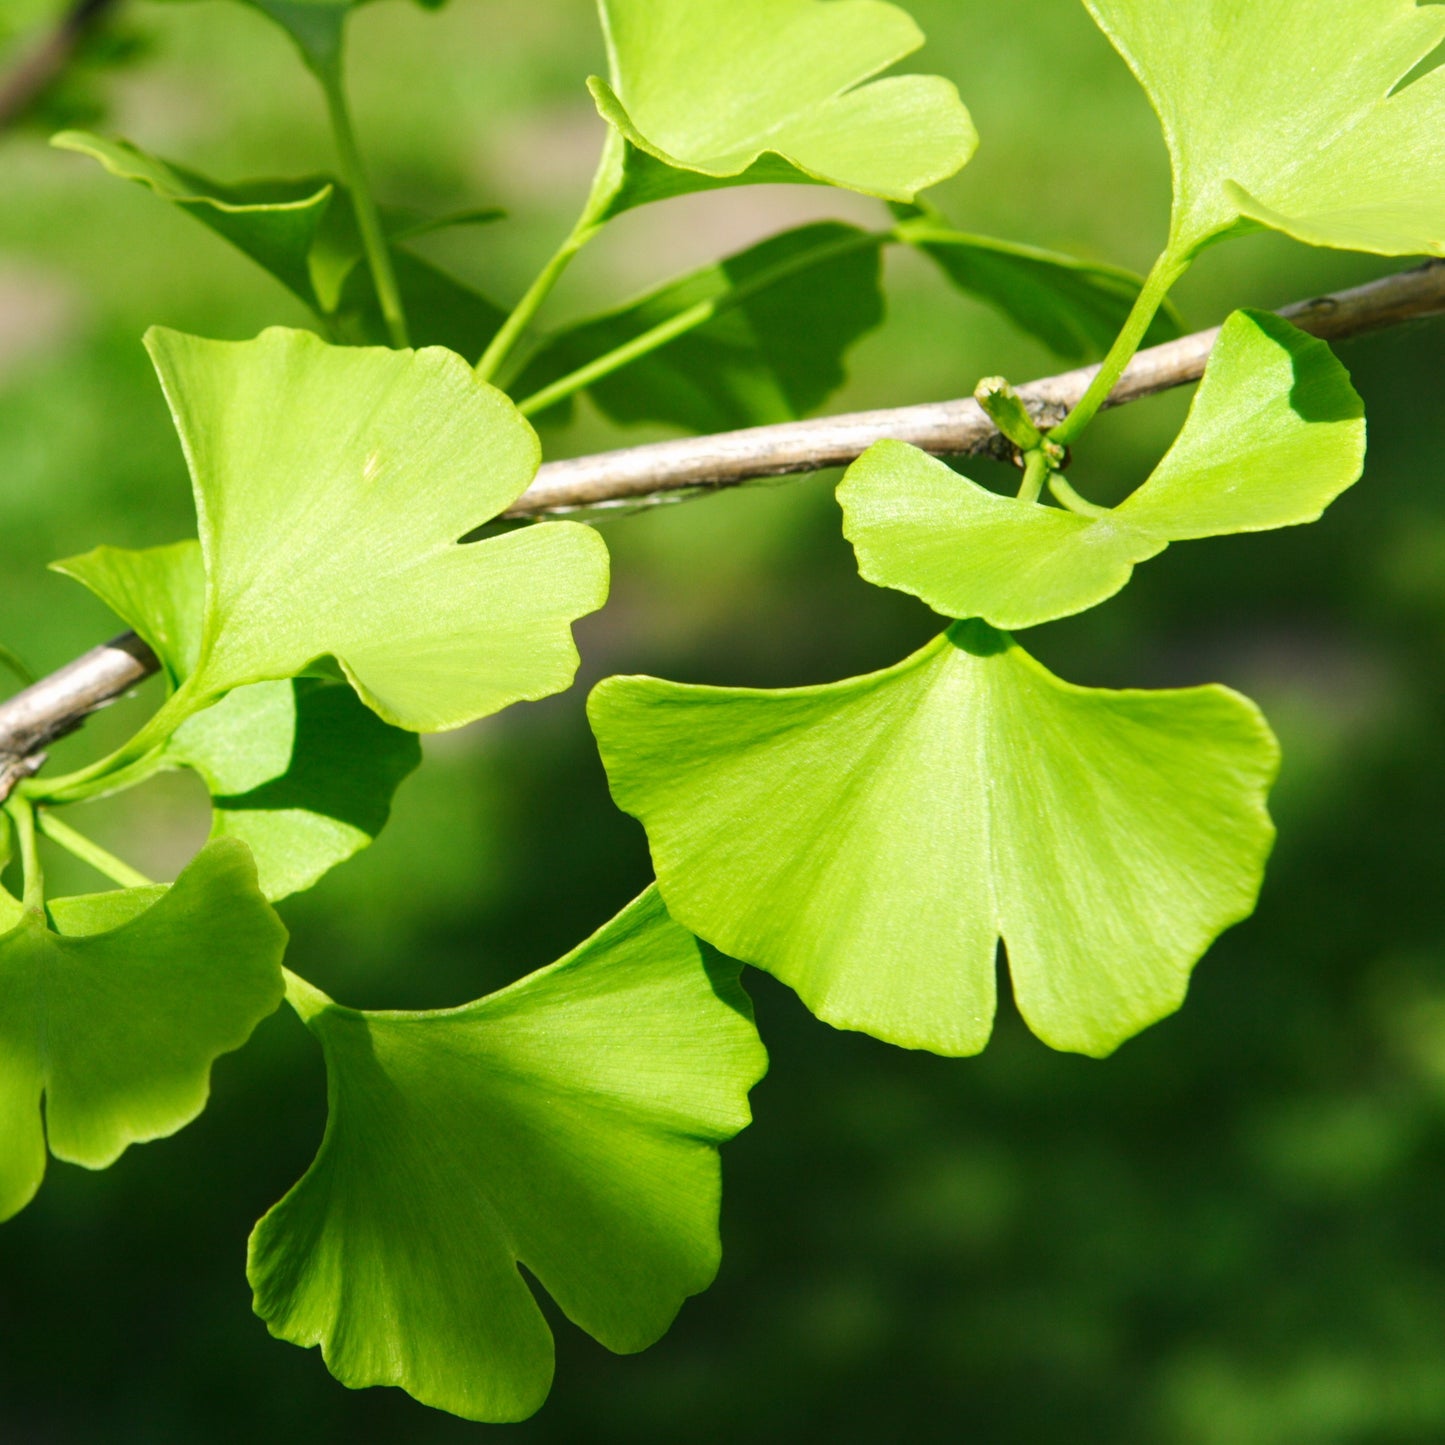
column 1228, row 1234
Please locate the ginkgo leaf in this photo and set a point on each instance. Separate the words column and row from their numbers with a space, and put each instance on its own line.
column 116, row 1019
column 332, row 486
column 869, row 842
column 1275, row 434
column 722, row 92
column 159, row 592
column 782, row 314
column 299, row 770
column 1291, row 115
column 1076, row 308
column 304, row 232
column 569, row 1123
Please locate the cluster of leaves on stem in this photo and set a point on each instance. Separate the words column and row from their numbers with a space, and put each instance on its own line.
column 869, row 842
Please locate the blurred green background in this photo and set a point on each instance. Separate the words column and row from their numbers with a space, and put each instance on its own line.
column 1228, row 1234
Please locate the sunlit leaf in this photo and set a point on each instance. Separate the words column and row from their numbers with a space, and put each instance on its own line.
column 569, row 1123
column 1074, row 307
column 1290, row 114
column 116, row 1019
column 304, row 232
column 332, row 486
column 160, row 593
column 300, row 770
column 787, row 310
column 721, row 92
column 870, row 842
column 1275, row 434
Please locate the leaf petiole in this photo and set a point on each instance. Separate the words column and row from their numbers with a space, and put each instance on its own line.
column 502, row 343
column 689, row 320
column 79, row 846
column 128, row 764
column 1165, row 273
column 594, row 216
column 353, row 171
column 1067, row 497
column 22, row 814
column 1036, row 472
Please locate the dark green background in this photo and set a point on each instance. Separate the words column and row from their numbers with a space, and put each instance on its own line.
column 1228, row 1234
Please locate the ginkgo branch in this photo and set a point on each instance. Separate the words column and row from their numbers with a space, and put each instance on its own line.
column 946, row 428
column 632, row 477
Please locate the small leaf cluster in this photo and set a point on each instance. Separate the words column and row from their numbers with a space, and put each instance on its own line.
column 871, row 842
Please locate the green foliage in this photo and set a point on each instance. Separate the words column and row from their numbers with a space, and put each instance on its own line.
column 870, row 841
column 569, row 1123
column 308, row 463
column 116, row 1013
column 1074, row 307
column 305, row 233
column 1291, row 115
column 1275, row 434
column 159, row 593
column 725, row 92
column 767, row 331
column 299, row 770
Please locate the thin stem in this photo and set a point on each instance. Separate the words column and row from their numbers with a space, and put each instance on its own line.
column 1036, row 473
column 353, row 172
column 23, row 816
column 594, row 216
column 502, row 343
column 1166, row 271
column 1066, row 496
column 699, row 466
column 79, row 846
column 102, row 775
column 689, row 320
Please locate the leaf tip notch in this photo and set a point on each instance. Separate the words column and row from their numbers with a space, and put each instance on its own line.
column 869, row 842
column 569, row 1123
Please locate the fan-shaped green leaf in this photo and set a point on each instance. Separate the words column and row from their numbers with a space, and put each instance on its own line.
column 724, row 92
column 1275, row 434
column 116, row 1019
column 304, row 232
column 332, row 487
column 1290, row 115
column 870, row 842
column 569, row 1123
column 771, row 326
column 1076, row 308
column 299, row 770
